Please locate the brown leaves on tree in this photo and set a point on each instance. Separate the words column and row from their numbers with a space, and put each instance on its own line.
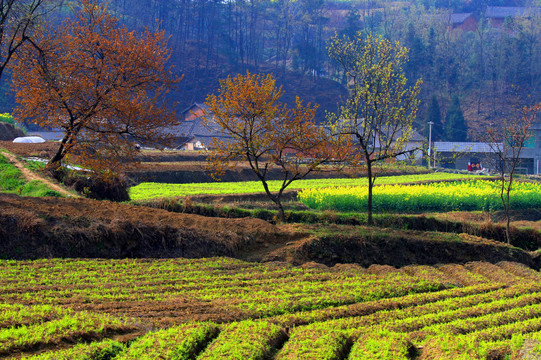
column 260, row 130
column 100, row 83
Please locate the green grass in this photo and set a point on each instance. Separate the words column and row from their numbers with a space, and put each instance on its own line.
column 12, row 181
column 11, row 178
column 145, row 191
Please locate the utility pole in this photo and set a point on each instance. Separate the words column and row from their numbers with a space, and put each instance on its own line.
column 430, row 123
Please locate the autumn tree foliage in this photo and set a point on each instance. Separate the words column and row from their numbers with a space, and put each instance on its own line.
column 260, row 130
column 19, row 20
column 100, row 83
column 381, row 107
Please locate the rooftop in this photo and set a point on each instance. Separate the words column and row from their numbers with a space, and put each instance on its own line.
column 464, row 147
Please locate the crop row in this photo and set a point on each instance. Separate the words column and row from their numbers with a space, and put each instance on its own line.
column 145, row 191
column 225, row 286
column 444, row 196
column 178, row 342
column 405, row 318
column 105, row 349
column 327, row 313
column 69, row 328
column 256, row 291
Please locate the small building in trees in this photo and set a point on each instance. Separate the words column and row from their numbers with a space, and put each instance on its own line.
column 498, row 14
column 463, row 155
column 463, row 21
column 192, row 134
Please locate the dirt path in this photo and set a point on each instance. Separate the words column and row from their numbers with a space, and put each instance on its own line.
column 30, row 175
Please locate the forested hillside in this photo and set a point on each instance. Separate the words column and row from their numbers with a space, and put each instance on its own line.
column 471, row 51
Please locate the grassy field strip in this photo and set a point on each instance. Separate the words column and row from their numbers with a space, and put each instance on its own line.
column 259, row 339
column 468, row 195
column 13, row 181
column 146, row 191
column 106, row 349
column 315, row 342
column 12, row 315
column 176, row 343
column 69, row 328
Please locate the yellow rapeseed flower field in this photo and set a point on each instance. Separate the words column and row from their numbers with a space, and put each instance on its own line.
column 442, row 196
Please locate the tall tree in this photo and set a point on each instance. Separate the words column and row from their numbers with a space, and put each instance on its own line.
column 381, row 106
column 455, row 125
column 265, row 133
column 99, row 83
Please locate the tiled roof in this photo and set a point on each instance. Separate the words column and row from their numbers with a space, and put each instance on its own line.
column 512, row 11
column 459, row 18
column 463, row 147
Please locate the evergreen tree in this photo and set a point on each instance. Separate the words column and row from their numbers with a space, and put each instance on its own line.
column 433, row 114
column 455, row 125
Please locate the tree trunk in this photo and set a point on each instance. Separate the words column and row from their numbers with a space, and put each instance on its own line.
column 56, row 160
column 281, row 214
column 507, row 215
column 370, row 187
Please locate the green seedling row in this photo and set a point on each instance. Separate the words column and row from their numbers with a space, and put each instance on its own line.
column 106, row 349
column 12, row 315
column 176, row 343
column 381, row 345
column 259, row 338
column 379, row 312
column 317, row 342
column 69, row 328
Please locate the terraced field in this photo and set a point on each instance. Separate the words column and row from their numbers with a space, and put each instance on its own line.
column 221, row 308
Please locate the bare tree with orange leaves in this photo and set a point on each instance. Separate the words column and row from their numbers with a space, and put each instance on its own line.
column 265, row 133
column 100, row 83
column 507, row 139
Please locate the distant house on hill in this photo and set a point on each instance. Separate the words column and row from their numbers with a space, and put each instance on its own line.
column 191, row 134
column 463, row 21
column 497, row 14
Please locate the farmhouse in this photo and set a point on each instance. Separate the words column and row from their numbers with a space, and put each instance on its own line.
column 463, row 155
column 463, row 21
column 192, row 134
column 457, row 155
column 498, row 14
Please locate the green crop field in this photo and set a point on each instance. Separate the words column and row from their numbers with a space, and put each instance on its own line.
column 221, row 308
column 145, row 191
column 448, row 196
